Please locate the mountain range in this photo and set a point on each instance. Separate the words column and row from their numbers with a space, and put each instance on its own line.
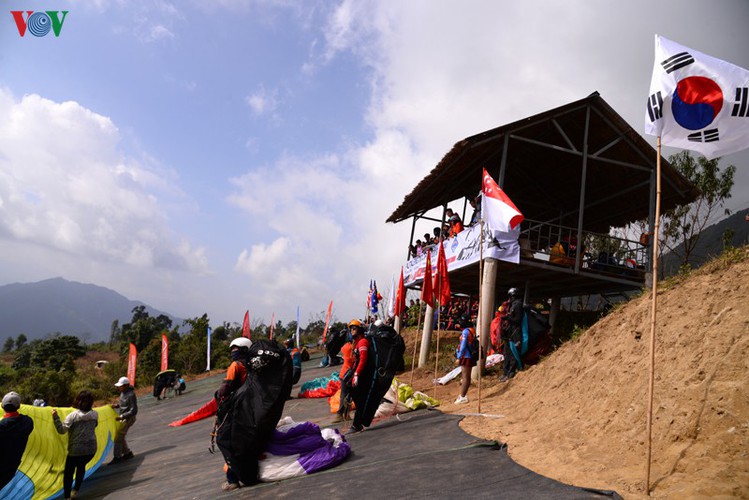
column 71, row 308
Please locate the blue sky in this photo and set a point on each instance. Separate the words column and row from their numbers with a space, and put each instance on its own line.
column 213, row 157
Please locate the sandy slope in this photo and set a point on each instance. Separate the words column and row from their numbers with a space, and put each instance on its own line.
column 580, row 415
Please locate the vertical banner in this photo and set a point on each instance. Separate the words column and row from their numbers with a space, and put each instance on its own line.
column 246, row 325
column 391, row 299
column 297, row 327
column 327, row 322
column 164, row 353
column 208, row 356
column 132, row 359
column 272, row 320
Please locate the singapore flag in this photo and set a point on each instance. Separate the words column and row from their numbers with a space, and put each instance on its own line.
column 497, row 209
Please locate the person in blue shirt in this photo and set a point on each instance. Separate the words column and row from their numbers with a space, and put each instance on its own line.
column 466, row 362
column 296, row 361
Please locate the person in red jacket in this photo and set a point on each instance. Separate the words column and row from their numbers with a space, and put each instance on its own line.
column 361, row 352
column 347, row 351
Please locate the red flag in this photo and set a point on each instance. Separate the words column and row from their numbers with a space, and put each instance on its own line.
column 246, row 325
column 272, row 318
column 497, row 209
column 400, row 297
column 441, row 280
column 327, row 321
column 427, row 295
column 132, row 359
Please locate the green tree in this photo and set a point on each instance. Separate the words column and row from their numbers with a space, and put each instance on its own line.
column 190, row 354
column 56, row 354
column 681, row 226
column 143, row 328
column 21, row 340
column 9, row 344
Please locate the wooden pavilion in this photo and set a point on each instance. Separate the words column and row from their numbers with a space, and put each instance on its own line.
column 575, row 172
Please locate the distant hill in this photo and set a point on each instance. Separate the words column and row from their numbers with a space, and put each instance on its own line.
column 58, row 305
column 710, row 243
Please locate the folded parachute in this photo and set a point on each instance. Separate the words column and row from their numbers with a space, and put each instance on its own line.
column 297, row 449
column 321, row 387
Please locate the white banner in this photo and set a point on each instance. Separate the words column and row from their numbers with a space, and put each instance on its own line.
column 463, row 250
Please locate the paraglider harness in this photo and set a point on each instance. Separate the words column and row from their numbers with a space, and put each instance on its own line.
column 385, row 360
column 534, row 325
column 258, row 358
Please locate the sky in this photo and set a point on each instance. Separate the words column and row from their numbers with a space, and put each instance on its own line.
column 231, row 155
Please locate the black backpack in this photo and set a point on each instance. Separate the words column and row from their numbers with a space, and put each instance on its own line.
column 388, row 349
column 474, row 346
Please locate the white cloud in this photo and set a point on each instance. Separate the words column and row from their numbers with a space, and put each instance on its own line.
column 262, row 102
column 66, row 184
column 158, row 32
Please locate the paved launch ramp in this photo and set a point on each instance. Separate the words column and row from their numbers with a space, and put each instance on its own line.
column 423, row 454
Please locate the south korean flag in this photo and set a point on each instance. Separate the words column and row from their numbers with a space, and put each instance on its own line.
column 697, row 102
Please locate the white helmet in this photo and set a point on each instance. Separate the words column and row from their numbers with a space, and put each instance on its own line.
column 241, row 342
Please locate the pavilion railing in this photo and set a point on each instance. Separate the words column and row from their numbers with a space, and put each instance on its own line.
column 599, row 253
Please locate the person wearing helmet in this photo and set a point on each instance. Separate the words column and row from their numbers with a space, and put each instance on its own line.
column 360, row 351
column 127, row 407
column 236, row 374
column 237, row 371
column 514, row 327
column 15, row 429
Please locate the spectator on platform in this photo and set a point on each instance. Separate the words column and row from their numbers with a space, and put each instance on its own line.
column 437, row 233
column 456, row 226
column 419, row 248
column 81, row 426
column 476, row 205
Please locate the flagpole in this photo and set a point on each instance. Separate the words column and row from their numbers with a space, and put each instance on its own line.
column 416, row 344
column 653, row 314
column 437, row 353
column 479, row 323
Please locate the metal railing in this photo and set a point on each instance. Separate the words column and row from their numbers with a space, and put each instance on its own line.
column 601, row 253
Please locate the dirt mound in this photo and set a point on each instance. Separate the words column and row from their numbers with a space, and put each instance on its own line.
column 580, row 415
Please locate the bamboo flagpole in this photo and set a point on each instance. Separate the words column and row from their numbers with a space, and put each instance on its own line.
column 479, row 323
column 653, row 313
column 416, row 344
column 437, row 352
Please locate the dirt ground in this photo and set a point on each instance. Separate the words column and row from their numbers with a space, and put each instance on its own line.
column 580, row 416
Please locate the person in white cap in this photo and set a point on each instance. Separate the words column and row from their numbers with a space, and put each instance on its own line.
column 128, row 409
column 14, row 434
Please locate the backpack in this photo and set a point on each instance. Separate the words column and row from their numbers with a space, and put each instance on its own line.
column 388, row 348
column 474, row 346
